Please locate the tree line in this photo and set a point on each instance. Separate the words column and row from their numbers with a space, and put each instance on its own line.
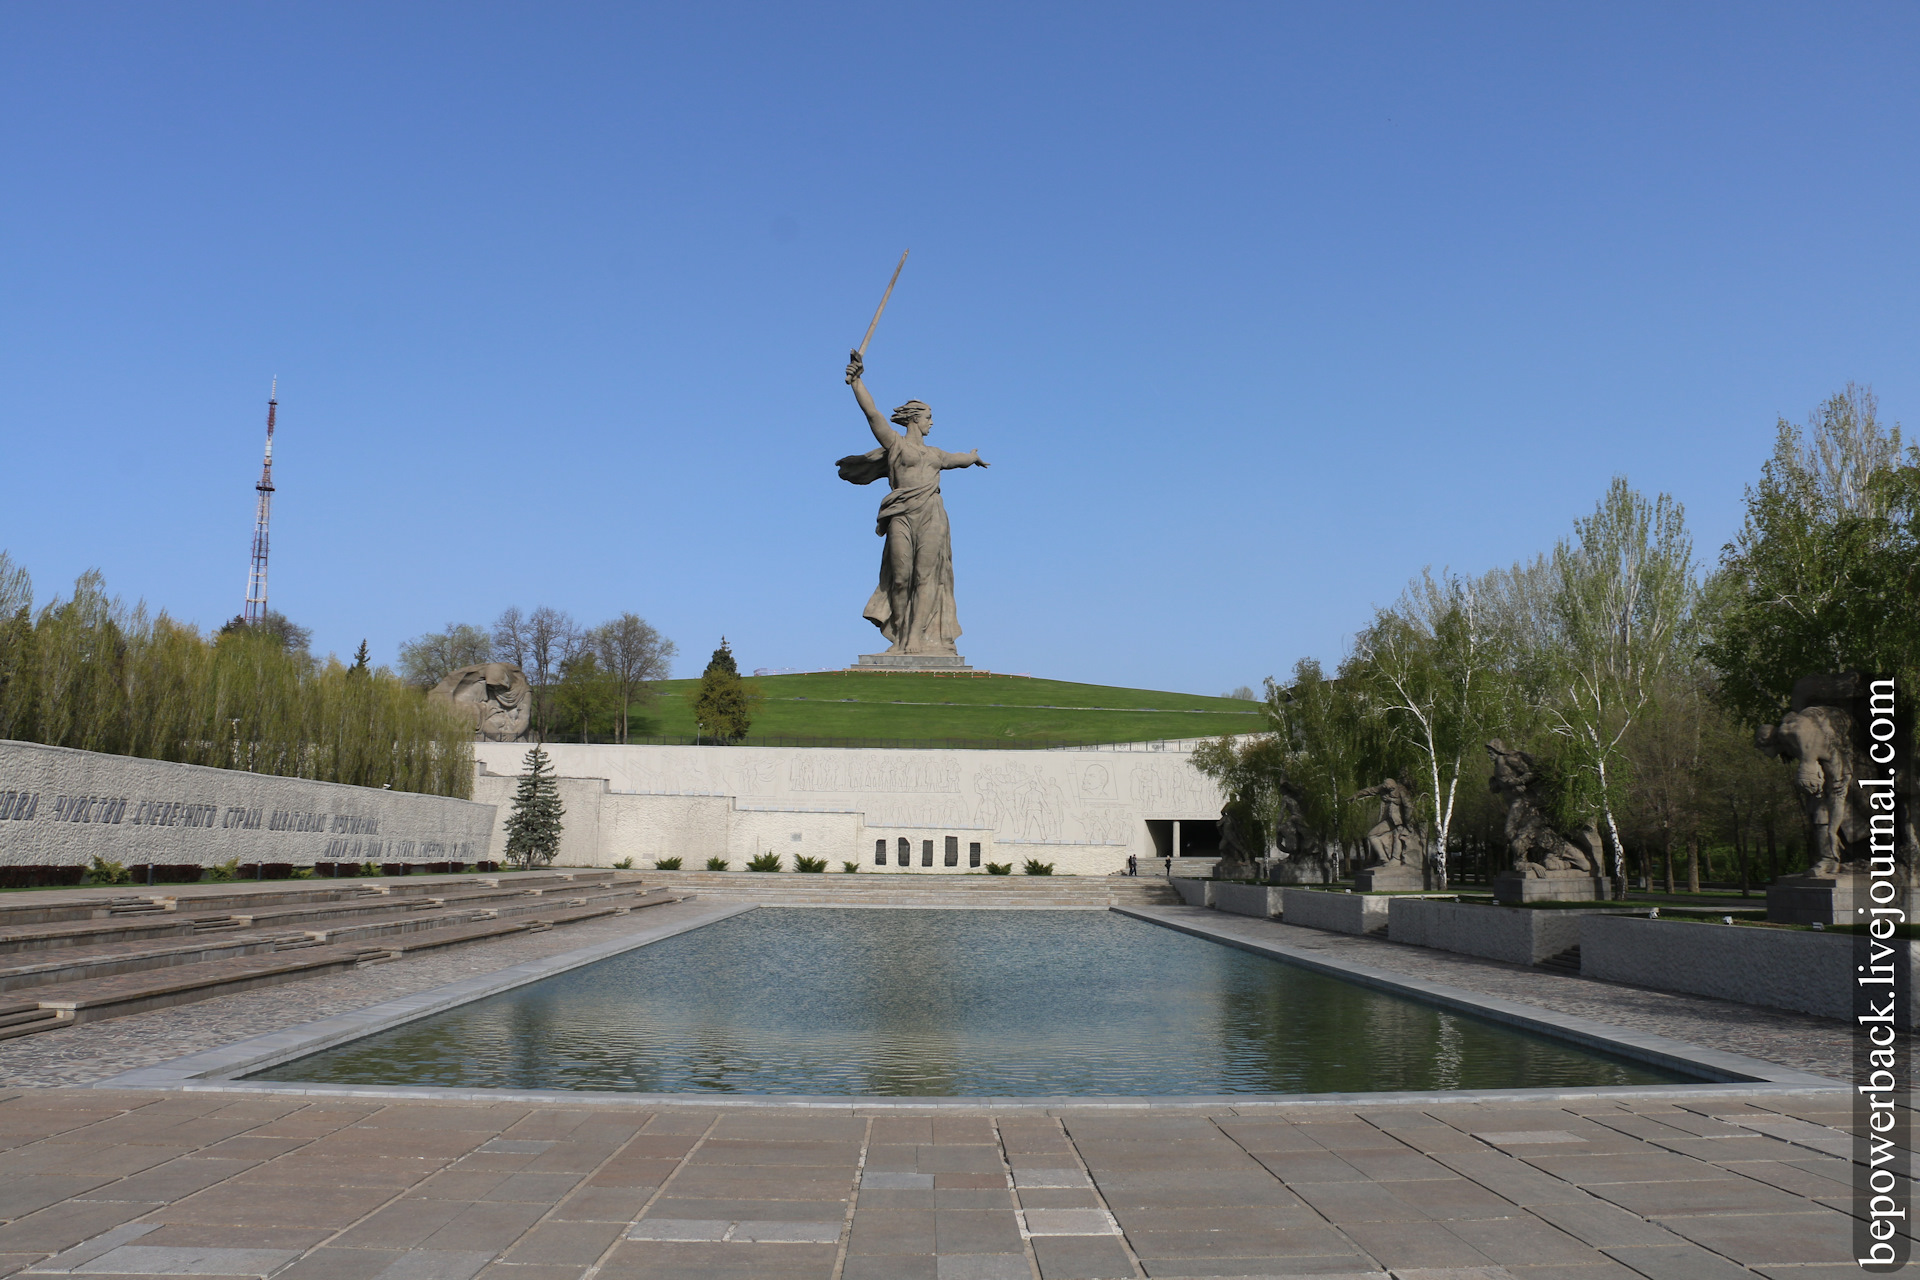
column 585, row 680
column 1634, row 674
column 91, row 672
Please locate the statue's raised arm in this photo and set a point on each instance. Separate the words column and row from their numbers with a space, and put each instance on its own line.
column 856, row 366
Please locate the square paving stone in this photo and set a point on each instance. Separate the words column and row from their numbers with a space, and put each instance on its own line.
column 1248, row 1240
column 1525, row 1241
column 1661, row 1200
column 491, row 1226
column 648, row 1260
column 780, row 1232
column 1605, row 1225
column 1309, row 1166
column 1057, row 1198
column 895, row 1180
column 1679, row 1262
column 1068, row 1222
column 602, row 1204
column 402, row 1225
column 1024, row 1177
column 891, row 1231
column 579, row 1243
column 174, row 1260
column 340, row 1264
column 894, row 1266
column 436, row 1264
column 1452, row 1197
column 1425, row 1245
column 1773, row 1239
column 983, row 1266
column 990, row 1197
column 969, row 1159
column 1357, row 1202
column 313, row 1206
column 680, row 1229
column 900, row 1131
column 1343, row 1266
column 1081, row 1258
column 741, row 1210
column 976, row 1231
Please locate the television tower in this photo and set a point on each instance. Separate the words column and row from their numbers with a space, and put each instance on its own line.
column 257, row 577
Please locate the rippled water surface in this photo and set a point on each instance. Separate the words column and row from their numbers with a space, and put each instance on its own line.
column 900, row 1003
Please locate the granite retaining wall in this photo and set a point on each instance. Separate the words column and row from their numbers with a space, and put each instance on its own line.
column 1340, row 912
column 61, row 807
column 1781, row 968
column 1517, row 935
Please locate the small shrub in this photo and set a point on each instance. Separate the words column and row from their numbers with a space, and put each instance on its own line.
column 104, row 872
column 850, row 867
column 228, row 870
column 486, row 868
column 718, row 864
column 999, row 868
column 301, row 873
column 1035, row 867
column 768, row 861
column 368, row 869
column 668, row 864
column 814, row 865
column 625, row 864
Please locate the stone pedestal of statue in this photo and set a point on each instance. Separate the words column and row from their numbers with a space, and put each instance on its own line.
column 912, row 662
column 1389, row 877
column 1841, row 899
column 1514, row 887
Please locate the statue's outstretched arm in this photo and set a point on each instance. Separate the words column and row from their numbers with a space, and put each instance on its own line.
column 882, row 432
column 955, row 461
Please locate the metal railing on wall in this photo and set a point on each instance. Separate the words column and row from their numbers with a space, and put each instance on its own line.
column 902, row 744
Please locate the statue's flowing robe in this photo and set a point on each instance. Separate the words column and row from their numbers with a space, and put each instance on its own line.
column 917, row 515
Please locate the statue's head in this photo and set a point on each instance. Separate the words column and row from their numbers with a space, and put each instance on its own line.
column 914, row 413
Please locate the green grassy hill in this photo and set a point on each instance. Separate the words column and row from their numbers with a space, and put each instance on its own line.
column 858, row 704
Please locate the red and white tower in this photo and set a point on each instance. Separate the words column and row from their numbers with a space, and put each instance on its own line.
column 257, row 577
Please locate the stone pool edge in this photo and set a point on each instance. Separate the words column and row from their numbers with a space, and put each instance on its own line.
column 214, row 1070
column 216, row 1067
column 1732, row 1069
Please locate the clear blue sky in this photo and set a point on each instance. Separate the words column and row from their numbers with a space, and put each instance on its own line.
column 1256, row 309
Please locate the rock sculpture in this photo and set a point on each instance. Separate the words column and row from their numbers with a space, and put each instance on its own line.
column 1822, row 735
column 495, row 695
column 1539, row 850
column 913, row 605
column 1397, row 838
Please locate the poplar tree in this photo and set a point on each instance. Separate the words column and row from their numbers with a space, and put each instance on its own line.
column 533, row 828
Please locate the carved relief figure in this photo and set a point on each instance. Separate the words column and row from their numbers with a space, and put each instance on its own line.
column 1538, row 849
column 1397, row 838
column 913, row 605
column 495, row 694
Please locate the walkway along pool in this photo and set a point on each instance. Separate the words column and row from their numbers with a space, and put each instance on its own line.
column 930, row 1003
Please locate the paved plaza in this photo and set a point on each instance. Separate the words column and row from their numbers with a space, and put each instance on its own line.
column 109, row 1183
column 1663, row 1183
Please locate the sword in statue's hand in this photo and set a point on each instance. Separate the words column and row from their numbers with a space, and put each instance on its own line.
column 860, row 352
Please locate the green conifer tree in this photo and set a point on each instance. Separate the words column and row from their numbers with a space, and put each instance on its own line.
column 360, row 666
column 723, row 704
column 533, row 828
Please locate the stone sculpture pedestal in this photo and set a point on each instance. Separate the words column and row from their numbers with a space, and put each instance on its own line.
column 1811, row 899
column 1514, row 887
column 912, row 662
column 1389, row 877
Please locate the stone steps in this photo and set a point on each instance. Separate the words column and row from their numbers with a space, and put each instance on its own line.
column 1567, row 961
column 104, row 984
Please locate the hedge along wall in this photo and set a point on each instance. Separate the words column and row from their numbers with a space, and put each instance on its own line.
column 59, row 806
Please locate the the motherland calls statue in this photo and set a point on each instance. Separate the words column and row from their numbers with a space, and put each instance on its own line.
column 495, row 695
column 1540, row 852
column 913, row 605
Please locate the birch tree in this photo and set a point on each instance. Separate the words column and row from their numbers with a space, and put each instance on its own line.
column 1623, row 588
column 1430, row 665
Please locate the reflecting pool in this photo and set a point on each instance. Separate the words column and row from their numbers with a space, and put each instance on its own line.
column 963, row 1003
